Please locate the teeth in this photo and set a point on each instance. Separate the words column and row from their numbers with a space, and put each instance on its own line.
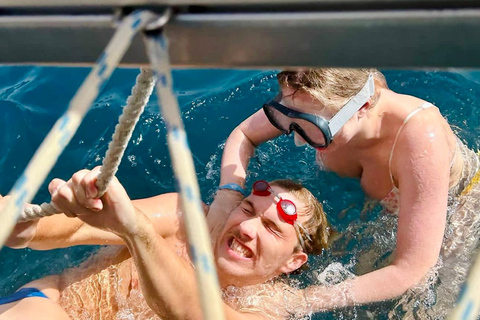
column 240, row 249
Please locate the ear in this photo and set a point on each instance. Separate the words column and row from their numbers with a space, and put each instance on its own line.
column 296, row 260
column 364, row 109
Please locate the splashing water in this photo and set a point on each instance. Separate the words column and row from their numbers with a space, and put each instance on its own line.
column 212, row 108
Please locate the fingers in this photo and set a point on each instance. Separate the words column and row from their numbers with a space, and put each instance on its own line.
column 74, row 197
column 89, row 183
column 63, row 197
column 86, row 190
column 54, row 185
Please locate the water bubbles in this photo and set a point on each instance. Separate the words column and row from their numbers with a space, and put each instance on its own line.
column 138, row 140
column 334, row 273
column 148, row 120
column 132, row 159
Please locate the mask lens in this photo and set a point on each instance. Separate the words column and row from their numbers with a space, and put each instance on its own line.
column 287, row 120
column 308, row 131
column 278, row 119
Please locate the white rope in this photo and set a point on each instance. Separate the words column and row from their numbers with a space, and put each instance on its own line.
column 136, row 103
column 59, row 136
column 197, row 231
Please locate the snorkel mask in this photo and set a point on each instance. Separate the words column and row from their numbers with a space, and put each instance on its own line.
column 316, row 130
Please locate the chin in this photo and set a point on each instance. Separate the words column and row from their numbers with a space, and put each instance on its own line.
column 231, row 274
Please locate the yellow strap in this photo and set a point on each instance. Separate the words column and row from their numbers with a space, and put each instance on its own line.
column 474, row 181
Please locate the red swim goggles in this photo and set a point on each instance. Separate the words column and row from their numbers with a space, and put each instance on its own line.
column 285, row 208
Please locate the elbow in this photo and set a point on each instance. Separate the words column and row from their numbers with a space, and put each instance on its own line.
column 409, row 276
column 241, row 136
column 16, row 244
column 22, row 235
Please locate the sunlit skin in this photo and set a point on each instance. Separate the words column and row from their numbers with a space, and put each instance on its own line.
column 254, row 245
column 420, row 167
column 265, row 242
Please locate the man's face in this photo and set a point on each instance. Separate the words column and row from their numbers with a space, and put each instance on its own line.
column 256, row 244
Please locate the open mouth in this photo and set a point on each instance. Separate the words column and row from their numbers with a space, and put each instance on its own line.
column 239, row 248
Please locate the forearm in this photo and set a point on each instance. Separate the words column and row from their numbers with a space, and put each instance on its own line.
column 383, row 284
column 236, row 156
column 60, row 231
column 167, row 282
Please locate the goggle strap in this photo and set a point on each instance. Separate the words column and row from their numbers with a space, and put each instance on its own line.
column 304, row 230
column 345, row 113
column 300, row 238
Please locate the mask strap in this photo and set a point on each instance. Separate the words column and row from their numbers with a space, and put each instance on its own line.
column 352, row 106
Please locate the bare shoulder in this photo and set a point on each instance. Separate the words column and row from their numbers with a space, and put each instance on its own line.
column 165, row 212
column 167, row 202
column 426, row 132
column 423, row 153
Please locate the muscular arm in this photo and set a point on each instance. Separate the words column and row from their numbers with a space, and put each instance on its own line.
column 422, row 167
column 59, row 231
column 168, row 282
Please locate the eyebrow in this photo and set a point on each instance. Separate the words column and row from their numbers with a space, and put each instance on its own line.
column 249, row 202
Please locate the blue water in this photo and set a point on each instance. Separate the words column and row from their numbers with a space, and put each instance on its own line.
column 213, row 102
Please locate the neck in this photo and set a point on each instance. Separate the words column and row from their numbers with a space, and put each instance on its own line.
column 373, row 128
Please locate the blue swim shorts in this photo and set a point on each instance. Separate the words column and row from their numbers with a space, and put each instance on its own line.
column 22, row 294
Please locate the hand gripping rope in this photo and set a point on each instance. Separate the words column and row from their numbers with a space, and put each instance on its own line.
column 47, row 154
column 65, row 127
column 123, row 132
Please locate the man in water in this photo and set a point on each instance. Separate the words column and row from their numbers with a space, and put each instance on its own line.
column 268, row 234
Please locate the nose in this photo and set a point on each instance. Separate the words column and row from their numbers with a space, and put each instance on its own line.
column 249, row 228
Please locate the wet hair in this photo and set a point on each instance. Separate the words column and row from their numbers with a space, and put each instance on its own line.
column 316, row 225
column 332, row 87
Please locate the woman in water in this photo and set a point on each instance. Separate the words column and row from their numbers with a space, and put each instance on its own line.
column 405, row 155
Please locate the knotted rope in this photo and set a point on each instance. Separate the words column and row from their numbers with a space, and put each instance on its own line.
column 65, row 127
column 136, row 102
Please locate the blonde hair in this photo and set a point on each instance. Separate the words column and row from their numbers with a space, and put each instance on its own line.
column 316, row 225
column 332, row 87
